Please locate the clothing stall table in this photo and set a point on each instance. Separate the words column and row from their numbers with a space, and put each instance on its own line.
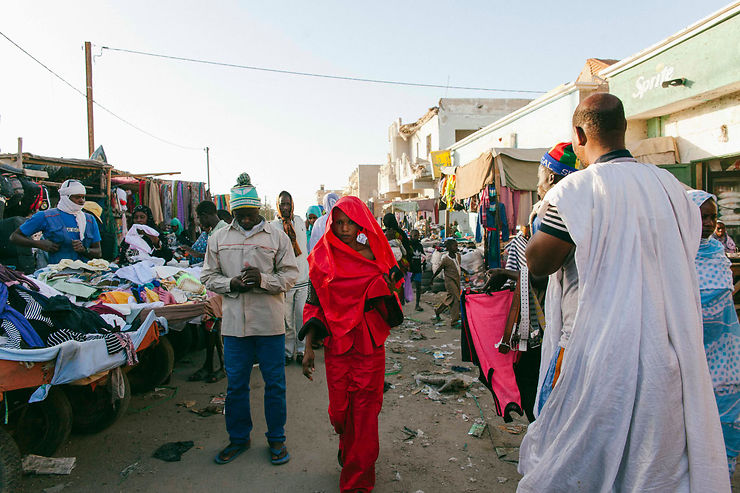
column 72, row 376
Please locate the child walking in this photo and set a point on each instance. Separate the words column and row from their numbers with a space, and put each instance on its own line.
column 451, row 266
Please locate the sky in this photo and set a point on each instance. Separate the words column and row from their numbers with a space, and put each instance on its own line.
column 289, row 132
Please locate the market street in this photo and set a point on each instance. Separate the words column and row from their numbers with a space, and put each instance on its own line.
column 443, row 458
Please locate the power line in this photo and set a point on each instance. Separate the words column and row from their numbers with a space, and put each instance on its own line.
column 81, row 93
column 310, row 74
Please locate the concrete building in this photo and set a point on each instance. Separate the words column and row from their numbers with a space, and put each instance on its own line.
column 408, row 170
column 322, row 192
column 682, row 101
column 543, row 122
column 363, row 182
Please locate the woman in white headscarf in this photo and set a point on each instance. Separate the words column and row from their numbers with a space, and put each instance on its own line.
column 319, row 227
column 68, row 232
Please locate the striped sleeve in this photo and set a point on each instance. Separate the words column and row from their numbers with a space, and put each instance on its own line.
column 553, row 225
column 516, row 253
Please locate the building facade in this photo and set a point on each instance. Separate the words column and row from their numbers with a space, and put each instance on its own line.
column 408, row 170
column 543, row 122
column 323, row 191
column 363, row 182
column 682, row 101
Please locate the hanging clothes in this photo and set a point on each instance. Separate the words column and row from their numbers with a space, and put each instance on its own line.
column 154, row 203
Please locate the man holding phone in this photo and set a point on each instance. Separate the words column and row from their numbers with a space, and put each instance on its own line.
column 252, row 264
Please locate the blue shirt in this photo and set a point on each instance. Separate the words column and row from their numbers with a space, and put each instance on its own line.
column 62, row 236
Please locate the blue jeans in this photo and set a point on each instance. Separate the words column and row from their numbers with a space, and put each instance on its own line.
column 239, row 355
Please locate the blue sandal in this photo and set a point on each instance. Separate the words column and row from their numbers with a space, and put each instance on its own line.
column 231, row 452
column 279, row 456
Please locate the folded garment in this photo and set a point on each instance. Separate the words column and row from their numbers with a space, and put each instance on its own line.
column 140, row 272
column 115, row 297
column 189, row 284
column 94, row 265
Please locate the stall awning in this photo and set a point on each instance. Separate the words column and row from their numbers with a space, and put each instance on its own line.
column 517, row 169
column 656, row 150
column 402, row 206
column 471, row 178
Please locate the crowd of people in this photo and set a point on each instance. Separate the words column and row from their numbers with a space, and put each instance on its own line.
column 625, row 398
column 635, row 386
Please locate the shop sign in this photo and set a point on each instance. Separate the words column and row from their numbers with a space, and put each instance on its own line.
column 440, row 159
column 643, row 84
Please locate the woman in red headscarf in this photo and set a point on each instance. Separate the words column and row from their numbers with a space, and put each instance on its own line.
column 352, row 306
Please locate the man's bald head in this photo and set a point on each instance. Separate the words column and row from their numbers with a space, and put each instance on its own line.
column 599, row 125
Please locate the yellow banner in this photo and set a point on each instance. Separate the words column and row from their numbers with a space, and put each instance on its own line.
column 440, row 159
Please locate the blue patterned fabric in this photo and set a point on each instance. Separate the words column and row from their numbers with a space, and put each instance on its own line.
column 721, row 333
column 201, row 243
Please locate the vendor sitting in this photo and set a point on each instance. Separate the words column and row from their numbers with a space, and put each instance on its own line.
column 68, row 232
column 143, row 227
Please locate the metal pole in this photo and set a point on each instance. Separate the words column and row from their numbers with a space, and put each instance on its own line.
column 208, row 168
column 89, row 85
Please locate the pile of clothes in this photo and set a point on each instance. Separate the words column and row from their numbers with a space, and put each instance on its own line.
column 30, row 319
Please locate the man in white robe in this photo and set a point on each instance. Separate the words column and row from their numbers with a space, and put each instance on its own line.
column 625, row 400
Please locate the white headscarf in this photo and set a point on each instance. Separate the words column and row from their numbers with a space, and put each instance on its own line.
column 73, row 187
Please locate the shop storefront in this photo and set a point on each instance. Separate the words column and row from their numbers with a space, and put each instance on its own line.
column 682, row 102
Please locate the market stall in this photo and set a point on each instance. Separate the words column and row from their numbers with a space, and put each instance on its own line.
column 500, row 185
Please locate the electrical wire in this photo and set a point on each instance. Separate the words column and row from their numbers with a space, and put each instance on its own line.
column 310, row 74
column 81, row 93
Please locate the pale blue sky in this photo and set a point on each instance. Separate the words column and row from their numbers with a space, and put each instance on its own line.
column 290, row 132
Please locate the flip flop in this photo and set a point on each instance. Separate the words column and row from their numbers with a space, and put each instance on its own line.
column 279, row 456
column 231, row 452
column 216, row 376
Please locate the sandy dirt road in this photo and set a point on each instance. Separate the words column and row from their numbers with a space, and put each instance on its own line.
column 443, row 457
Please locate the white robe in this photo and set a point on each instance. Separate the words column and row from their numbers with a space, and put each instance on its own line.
column 633, row 408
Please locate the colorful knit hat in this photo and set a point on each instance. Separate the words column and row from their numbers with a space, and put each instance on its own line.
column 560, row 159
column 244, row 195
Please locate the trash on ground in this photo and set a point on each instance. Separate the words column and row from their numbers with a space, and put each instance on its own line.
column 513, row 429
column 398, row 349
column 219, row 400
column 448, row 383
column 126, row 471
column 387, row 386
column 36, row 464
column 186, row 404
column 208, row 411
column 438, row 355
column 416, row 335
column 397, row 477
column 452, row 459
column 411, row 357
column 508, row 454
column 410, row 434
column 461, row 369
column 431, row 393
column 477, row 430
column 172, row 452
column 501, row 479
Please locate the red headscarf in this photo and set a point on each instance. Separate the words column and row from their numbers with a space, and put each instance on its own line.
column 342, row 278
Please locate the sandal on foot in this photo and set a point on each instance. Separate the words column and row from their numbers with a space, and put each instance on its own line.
column 279, row 456
column 231, row 452
column 216, row 376
column 199, row 375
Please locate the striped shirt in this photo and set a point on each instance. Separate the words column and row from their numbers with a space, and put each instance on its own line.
column 516, row 249
column 553, row 225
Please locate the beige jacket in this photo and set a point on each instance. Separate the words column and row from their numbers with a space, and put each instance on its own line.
column 259, row 312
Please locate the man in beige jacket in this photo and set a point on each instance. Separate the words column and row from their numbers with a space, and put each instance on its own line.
column 252, row 264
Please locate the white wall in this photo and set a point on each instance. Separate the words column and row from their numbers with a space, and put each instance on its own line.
column 542, row 127
column 698, row 130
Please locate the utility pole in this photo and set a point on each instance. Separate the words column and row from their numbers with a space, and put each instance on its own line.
column 89, row 84
column 208, row 169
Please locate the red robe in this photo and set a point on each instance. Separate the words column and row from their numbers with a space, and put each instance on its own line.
column 350, row 289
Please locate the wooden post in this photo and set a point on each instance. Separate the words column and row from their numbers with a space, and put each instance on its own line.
column 208, row 169
column 89, row 85
column 19, row 157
